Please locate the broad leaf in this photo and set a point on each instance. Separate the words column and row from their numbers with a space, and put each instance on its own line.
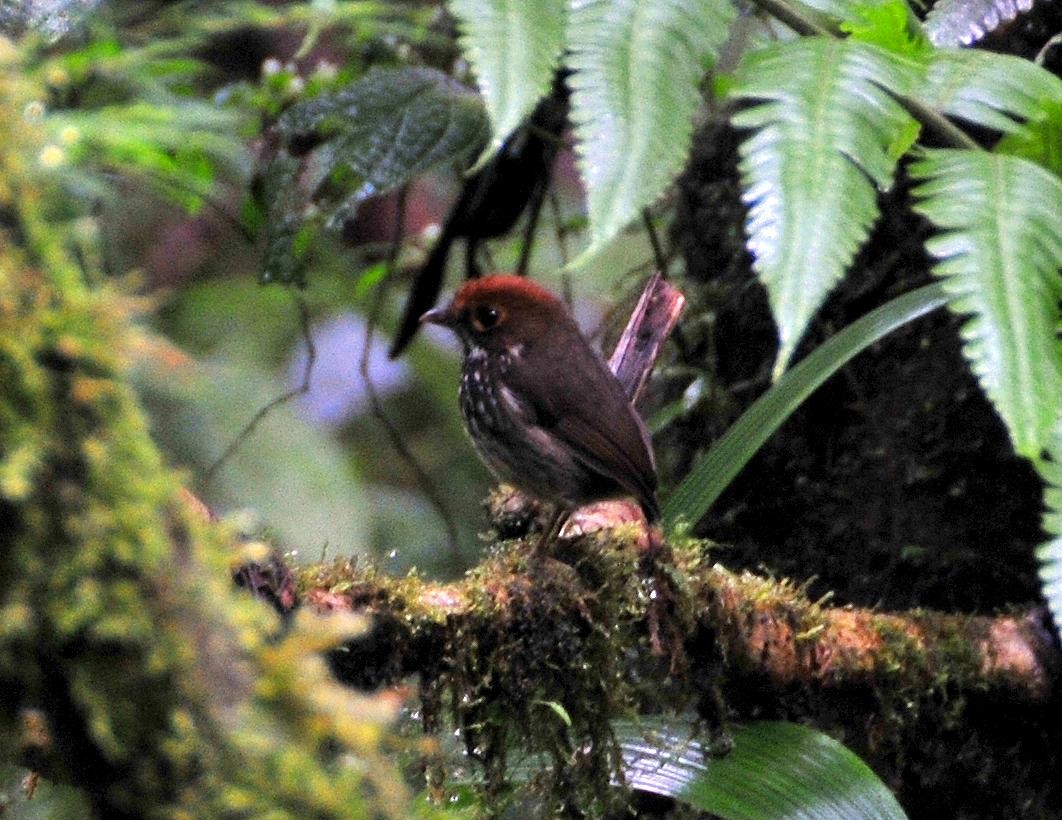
column 962, row 22
column 713, row 472
column 386, row 128
column 638, row 65
column 993, row 90
column 1050, row 553
column 364, row 140
column 999, row 253
column 514, row 47
column 827, row 136
column 773, row 770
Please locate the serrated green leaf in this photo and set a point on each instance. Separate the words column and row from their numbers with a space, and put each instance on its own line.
column 366, row 139
column 382, row 131
column 993, row 90
column 823, row 123
column 1050, row 552
column 283, row 203
column 638, row 65
column 514, row 47
column 962, row 22
column 999, row 253
column 773, row 770
column 717, row 468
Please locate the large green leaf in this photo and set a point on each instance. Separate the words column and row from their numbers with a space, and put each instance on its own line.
column 773, row 770
column 638, row 65
column 514, row 47
column 999, row 253
column 340, row 148
column 386, row 128
column 994, row 90
column 712, row 473
column 826, row 132
column 1050, row 553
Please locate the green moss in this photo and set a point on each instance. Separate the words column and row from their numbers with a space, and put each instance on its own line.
column 538, row 659
column 157, row 683
column 916, row 685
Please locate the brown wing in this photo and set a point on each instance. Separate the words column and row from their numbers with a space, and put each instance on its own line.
column 582, row 403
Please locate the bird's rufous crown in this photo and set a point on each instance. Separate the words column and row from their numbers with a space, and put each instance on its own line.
column 503, row 286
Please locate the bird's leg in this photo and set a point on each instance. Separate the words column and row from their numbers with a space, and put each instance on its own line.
column 552, row 529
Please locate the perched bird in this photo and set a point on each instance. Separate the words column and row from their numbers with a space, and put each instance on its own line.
column 542, row 409
column 490, row 203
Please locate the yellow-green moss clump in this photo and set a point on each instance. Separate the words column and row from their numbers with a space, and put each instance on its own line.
column 129, row 665
column 531, row 658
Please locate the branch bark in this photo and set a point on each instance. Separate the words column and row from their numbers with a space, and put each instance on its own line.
column 766, row 628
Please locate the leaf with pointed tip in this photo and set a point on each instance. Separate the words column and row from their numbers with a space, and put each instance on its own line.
column 1050, row 552
column 385, row 129
column 638, row 65
column 825, row 129
column 999, row 253
column 514, row 47
column 773, row 769
column 993, row 90
column 340, row 148
column 963, row 22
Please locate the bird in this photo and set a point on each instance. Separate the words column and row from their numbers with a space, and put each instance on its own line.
column 542, row 409
column 490, row 203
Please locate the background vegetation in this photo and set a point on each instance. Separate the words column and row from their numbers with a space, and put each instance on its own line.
column 208, row 207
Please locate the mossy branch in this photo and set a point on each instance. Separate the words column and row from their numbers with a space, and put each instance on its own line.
column 765, row 628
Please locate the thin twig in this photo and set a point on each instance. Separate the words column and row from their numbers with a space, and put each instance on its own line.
column 654, row 240
column 378, row 411
column 562, row 244
column 304, row 387
column 537, row 198
column 207, row 199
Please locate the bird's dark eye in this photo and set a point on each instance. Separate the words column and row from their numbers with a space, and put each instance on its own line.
column 484, row 317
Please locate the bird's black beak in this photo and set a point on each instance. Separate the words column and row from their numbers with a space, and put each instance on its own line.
column 438, row 316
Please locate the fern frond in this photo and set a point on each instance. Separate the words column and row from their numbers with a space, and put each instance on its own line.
column 962, row 22
column 1050, row 552
column 827, row 135
column 992, row 90
column 514, row 47
column 1000, row 252
column 638, row 65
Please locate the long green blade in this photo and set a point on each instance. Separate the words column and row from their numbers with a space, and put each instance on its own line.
column 717, row 468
